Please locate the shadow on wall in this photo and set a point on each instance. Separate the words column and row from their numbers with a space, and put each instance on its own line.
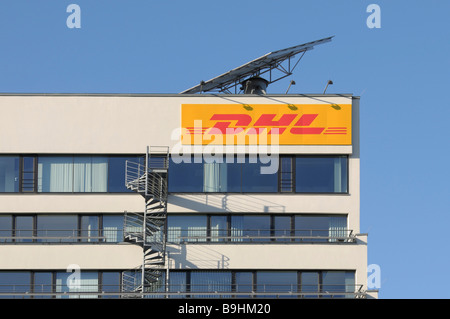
column 200, row 256
column 224, row 203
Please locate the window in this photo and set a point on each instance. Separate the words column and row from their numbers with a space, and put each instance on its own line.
column 28, row 180
column 338, row 281
column 249, row 228
column 42, row 283
column 87, row 282
column 110, row 282
column 243, row 282
column 326, row 228
column 186, row 177
column 310, row 283
column 116, row 175
column 315, row 174
column 282, row 228
column 218, row 227
column 6, row 228
column 186, row 228
column 286, row 174
column 276, row 281
column 210, row 281
column 24, row 228
column 63, row 227
column 9, row 174
column 113, row 228
column 14, row 281
column 89, row 226
column 72, row 174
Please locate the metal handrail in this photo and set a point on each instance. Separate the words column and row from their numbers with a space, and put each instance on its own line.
column 260, row 235
column 76, row 235
column 189, row 290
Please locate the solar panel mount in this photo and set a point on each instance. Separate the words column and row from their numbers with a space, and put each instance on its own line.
column 281, row 60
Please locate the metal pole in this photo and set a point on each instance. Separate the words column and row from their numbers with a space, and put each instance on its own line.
column 144, row 221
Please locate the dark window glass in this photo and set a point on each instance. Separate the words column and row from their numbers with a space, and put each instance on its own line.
column 177, row 282
column 321, row 174
column 113, row 228
column 338, row 281
column 250, row 228
column 282, row 228
column 276, row 281
column 210, row 281
column 24, row 229
column 42, row 284
column 243, row 283
column 326, row 227
column 186, row 177
column 186, row 228
column 15, row 281
column 110, row 283
column 254, row 181
column 57, row 228
column 5, row 228
column 89, row 228
column 116, row 177
column 9, row 174
column 310, row 283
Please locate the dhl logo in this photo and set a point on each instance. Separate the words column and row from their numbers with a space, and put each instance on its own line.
column 307, row 125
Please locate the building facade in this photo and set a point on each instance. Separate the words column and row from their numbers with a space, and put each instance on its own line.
column 181, row 196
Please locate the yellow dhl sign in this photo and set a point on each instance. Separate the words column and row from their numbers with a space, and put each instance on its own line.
column 256, row 124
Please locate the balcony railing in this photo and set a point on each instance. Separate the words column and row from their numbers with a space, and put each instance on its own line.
column 61, row 236
column 257, row 236
column 196, row 235
column 185, row 291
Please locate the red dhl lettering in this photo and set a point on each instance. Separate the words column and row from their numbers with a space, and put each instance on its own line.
column 265, row 122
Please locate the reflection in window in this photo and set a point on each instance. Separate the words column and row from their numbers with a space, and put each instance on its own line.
column 5, row 228
column 113, row 228
column 116, row 177
column 243, row 283
column 110, row 282
column 24, row 229
column 219, row 228
column 62, row 227
column 9, row 174
column 89, row 228
column 316, row 174
column 14, row 281
column 85, row 282
column 42, row 284
column 276, row 281
column 310, row 283
column 177, row 282
column 186, row 228
column 326, row 227
column 248, row 228
column 210, row 281
column 338, row 281
column 255, row 182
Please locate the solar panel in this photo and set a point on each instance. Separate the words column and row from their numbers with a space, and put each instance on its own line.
column 261, row 65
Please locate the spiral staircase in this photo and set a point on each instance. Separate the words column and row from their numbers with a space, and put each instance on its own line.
column 147, row 177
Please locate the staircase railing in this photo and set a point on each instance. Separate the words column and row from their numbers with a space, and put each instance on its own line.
column 147, row 229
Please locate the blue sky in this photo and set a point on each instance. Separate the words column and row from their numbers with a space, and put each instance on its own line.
column 400, row 71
